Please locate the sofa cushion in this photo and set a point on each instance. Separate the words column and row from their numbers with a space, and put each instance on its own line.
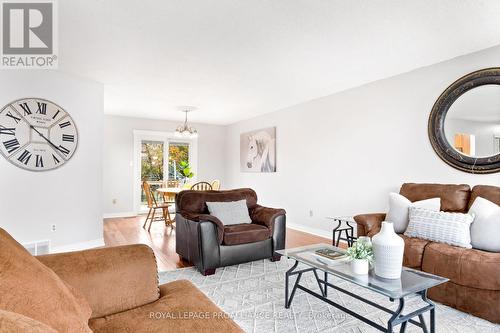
column 116, row 278
column 33, row 290
column 414, row 251
column 488, row 192
column 181, row 308
column 245, row 233
column 11, row 322
column 465, row 267
column 454, row 198
column 477, row 302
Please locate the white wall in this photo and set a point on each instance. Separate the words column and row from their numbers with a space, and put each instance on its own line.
column 70, row 196
column 342, row 154
column 118, row 144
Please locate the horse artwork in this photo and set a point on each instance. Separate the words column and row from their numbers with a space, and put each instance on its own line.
column 258, row 150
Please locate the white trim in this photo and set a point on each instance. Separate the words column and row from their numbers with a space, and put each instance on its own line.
column 309, row 230
column 78, row 246
column 119, row 214
column 167, row 137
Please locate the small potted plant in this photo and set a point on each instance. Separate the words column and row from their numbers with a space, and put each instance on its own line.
column 361, row 254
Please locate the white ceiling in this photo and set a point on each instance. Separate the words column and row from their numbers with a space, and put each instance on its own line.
column 235, row 59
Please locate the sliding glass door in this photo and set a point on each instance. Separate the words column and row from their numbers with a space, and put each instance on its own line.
column 159, row 159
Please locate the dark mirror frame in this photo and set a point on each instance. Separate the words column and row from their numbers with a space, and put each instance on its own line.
column 437, row 117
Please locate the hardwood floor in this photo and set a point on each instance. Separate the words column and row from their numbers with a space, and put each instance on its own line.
column 122, row 231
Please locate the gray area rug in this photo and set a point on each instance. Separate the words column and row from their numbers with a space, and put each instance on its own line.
column 253, row 294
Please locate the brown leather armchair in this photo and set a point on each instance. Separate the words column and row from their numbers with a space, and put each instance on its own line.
column 474, row 275
column 203, row 240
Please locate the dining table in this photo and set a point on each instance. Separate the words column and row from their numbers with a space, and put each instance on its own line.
column 170, row 190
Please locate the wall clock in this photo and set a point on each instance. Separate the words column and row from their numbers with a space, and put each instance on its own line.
column 37, row 134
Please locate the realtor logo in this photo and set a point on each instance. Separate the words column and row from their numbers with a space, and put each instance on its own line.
column 28, row 34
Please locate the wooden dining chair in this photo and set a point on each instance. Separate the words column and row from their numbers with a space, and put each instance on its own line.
column 153, row 206
column 216, row 185
column 201, row 186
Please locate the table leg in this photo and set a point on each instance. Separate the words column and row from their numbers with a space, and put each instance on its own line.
column 422, row 321
column 433, row 321
column 432, row 313
column 390, row 323
column 321, row 288
column 287, row 278
column 325, row 285
column 336, row 243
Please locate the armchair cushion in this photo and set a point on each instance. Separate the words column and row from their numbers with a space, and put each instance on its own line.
column 245, row 233
column 33, row 290
column 265, row 216
column 196, row 201
column 112, row 279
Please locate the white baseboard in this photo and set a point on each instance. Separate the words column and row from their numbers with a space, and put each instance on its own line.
column 78, row 246
column 121, row 214
column 309, row 230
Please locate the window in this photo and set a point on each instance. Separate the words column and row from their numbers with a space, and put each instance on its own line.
column 177, row 152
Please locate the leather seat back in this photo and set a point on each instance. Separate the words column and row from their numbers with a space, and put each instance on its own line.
column 195, row 201
column 491, row 193
column 454, row 198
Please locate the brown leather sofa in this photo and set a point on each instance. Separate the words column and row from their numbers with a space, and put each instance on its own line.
column 203, row 240
column 101, row 290
column 474, row 285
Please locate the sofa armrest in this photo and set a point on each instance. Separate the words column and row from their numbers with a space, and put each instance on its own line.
column 265, row 216
column 205, row 217
column 112, row 279
column 369, row 224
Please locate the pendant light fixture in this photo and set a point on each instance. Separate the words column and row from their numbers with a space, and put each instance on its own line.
column 185, row 131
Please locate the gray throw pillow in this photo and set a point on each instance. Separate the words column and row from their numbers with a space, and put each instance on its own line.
column 232, row 212
column 485, row 230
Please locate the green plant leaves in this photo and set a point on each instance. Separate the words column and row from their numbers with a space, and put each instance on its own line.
column 360, row 250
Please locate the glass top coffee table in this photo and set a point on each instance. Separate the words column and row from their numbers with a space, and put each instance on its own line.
column 411, row 282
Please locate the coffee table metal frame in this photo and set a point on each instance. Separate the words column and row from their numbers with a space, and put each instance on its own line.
column 396, row 319
column 347, row 229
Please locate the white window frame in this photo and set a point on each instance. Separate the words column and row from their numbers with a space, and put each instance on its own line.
column 167, row 138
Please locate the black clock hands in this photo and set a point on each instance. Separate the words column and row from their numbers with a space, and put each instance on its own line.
column 43, row 136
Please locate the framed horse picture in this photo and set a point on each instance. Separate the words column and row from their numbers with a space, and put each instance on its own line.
column 258, row 150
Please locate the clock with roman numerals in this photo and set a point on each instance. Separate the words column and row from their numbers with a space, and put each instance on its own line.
column 37, row 134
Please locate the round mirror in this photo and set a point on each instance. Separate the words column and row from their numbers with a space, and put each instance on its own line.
column 472, row 124
column 464, row 124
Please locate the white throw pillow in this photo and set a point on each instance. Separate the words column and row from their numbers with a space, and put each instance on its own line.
column 232, row 212
column 442, row 227
column 485, row 231
column 398, row 210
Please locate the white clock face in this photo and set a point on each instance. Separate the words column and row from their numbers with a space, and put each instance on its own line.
column 36, row 134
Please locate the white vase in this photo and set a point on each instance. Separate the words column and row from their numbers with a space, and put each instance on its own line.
column 359, row 266
column 388, row 250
